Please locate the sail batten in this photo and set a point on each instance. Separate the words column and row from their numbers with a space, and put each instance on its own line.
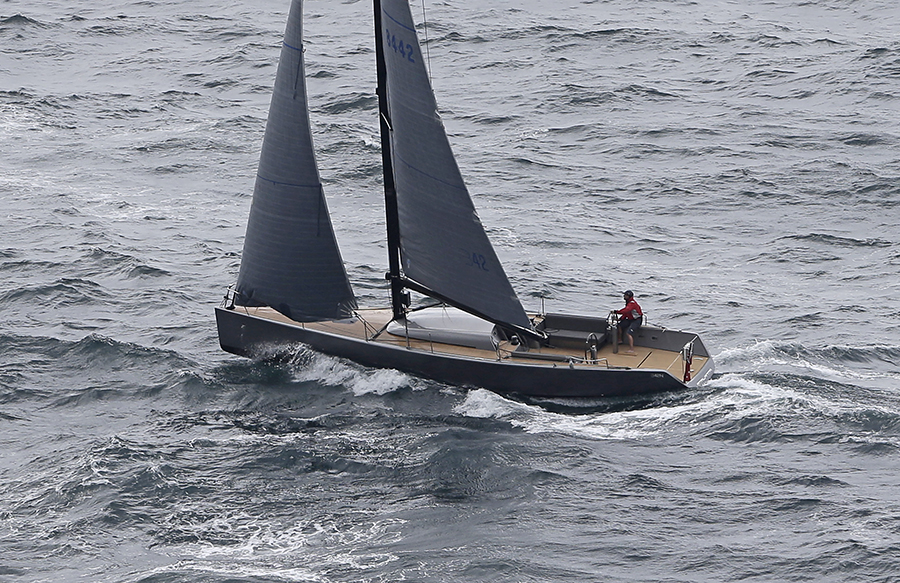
column 443, row 244
column 291, row 261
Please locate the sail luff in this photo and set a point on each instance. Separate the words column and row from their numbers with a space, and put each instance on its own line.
column 443, row 244
column 390, row 192
column 291, row 261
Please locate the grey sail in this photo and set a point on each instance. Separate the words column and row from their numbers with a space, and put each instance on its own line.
column 443, row 244
column 291, row 260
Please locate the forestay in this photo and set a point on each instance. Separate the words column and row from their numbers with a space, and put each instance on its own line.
column 291, row 260
column 443, row 244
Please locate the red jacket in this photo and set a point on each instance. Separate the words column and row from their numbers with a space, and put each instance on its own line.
column 626, row 311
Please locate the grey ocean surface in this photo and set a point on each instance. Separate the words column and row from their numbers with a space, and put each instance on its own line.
column 736, row 164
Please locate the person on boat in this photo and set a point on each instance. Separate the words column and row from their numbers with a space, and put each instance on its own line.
column 630, row 319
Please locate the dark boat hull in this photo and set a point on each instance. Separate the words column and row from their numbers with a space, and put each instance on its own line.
column 247, row 335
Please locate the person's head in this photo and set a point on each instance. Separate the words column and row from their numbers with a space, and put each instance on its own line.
column 628, row 294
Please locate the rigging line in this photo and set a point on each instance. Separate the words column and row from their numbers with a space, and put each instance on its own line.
column 427, row 49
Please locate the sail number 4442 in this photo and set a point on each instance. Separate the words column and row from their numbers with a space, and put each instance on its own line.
column 404, row 49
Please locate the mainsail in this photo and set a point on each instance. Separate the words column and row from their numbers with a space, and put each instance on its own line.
column 443, row 244
column 291, row 260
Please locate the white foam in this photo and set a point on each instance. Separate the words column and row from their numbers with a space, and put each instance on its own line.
column 335, row 372
column 739, row 397
column 260, row 538
column 379, row 382
column 487, row 404
column 296, row 552
column 18, row 119
column 742, row 353
column 228, row 570
column 615, row 425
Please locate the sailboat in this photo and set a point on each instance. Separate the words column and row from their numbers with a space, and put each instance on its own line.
column 292, row 288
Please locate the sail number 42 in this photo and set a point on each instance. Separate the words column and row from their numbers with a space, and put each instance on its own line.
column 404, row 49
column 478, row 260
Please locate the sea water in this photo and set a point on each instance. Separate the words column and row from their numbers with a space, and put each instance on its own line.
column 736, row 164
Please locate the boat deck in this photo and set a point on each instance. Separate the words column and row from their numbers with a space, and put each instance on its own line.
column 372, row 320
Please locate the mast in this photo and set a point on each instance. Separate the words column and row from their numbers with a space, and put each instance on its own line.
column 399, row 302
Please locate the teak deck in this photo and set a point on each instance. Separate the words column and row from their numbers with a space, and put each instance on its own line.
column 372, row 320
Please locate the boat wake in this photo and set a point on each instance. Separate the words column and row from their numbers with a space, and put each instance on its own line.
column 856, row 365
column 742, row 407
column 614, row 425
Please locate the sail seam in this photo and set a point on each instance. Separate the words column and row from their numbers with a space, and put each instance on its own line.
column 300, row 50
column 315, row 185
column 435, row 178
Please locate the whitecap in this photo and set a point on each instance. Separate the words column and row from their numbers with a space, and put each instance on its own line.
column 335, row 372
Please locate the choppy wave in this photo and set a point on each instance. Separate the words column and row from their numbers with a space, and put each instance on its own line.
column 65, row 292
column 740, row 174
column 859, row 366
column 20, row 20
column 828, row 239
column 97, row 369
